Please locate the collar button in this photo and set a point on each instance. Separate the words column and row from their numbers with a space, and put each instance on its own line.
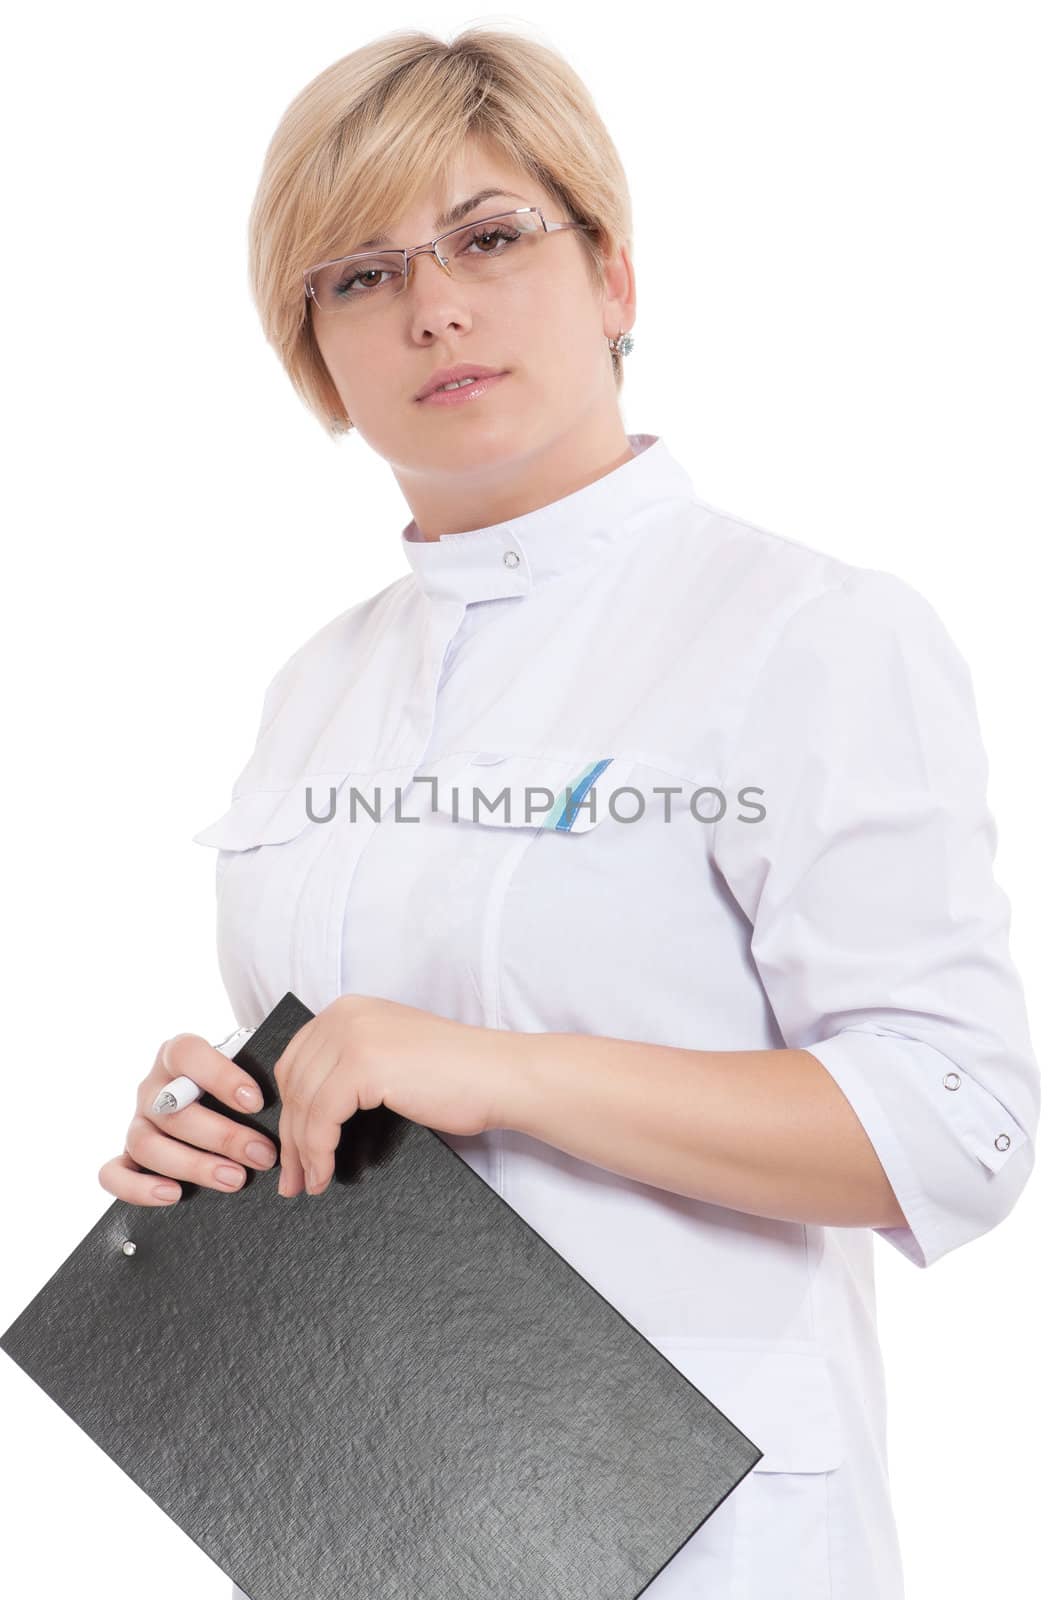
column 511, row 558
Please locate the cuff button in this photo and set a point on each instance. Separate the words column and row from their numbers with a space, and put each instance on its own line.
column 1002, row 1141
column 951, row 1080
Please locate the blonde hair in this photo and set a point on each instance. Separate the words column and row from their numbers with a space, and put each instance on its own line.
column 382, row 122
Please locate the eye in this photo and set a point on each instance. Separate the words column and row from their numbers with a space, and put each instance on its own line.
column 510, row 235
column 352, row 278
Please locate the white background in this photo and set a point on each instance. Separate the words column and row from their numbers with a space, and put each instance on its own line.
column 848, row 331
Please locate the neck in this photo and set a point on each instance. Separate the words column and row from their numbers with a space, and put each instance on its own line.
column 505, row 483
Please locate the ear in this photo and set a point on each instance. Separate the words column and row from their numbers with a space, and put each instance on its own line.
column 618, row 297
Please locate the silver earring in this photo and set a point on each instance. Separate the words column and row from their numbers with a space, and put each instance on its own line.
column 622, row 345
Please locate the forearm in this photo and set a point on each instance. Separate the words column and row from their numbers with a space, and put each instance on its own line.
column 762, row 1131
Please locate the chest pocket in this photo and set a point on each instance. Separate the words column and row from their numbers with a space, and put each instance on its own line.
column 273, row 816
column 274, row 845
column 505, row 885
column 537, row 792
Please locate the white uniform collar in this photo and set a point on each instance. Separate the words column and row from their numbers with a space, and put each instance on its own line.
column 511, row 558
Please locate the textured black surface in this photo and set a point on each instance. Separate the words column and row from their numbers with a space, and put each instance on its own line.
column 394, row 1389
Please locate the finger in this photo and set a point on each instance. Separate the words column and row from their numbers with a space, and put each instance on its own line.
column 162, row 1154
column 123, row 1178
column 322, row 1126
column 285, row 1074
column 191, row 1056
column 305, row 1081
column 296, row 1045
column 292, row 1178
column 215, row 1132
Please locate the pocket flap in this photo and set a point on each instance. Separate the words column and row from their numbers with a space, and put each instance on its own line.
column 271, row 816
column 781, row 1397
column 562, row 794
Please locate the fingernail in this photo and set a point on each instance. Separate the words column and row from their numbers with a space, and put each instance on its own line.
column 311, row 1181
column 229, row 1175
column 259, row 1151
column 166, row 1191
column 249, row 1097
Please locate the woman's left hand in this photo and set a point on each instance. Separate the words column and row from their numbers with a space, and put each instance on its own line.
column 360, row 1052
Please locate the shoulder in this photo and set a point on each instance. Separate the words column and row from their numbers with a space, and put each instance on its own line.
column 332, row 643
column 795, row 646
column 781, row 591
column 314, row 679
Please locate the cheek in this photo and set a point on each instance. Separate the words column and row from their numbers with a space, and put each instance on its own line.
column 352, row 365
column 557, row 314
column 350, row 377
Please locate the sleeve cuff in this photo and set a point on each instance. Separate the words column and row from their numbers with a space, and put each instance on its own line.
column 955, row 1157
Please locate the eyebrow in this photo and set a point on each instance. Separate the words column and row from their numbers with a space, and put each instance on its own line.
column 449, row 219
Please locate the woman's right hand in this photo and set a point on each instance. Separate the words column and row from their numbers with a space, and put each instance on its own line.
column 186, row 1143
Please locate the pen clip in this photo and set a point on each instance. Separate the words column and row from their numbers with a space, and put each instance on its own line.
column 234, row 1042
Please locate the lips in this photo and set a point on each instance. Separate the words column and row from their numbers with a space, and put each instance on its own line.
column 445, row 375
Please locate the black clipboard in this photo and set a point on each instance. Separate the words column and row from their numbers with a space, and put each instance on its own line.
column 395, row 1388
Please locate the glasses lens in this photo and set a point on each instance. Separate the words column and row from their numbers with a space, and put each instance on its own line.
column 487, row 249
column 490, row 248
column 356, row 281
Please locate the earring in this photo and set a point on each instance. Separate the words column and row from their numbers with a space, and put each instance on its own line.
column 622, row 345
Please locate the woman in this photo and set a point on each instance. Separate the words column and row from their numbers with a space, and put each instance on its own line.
column 694, row 950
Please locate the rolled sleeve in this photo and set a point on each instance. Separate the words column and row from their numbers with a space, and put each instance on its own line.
column 878, row 929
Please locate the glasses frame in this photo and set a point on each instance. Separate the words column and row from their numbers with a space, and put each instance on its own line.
column 431, row 247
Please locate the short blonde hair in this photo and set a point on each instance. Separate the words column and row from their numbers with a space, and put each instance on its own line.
column 379, row 124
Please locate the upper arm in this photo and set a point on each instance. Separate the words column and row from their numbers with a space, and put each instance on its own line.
column 878, row 929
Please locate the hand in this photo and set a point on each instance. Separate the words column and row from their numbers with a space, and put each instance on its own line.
column 361, row 1052
column 173, row 1145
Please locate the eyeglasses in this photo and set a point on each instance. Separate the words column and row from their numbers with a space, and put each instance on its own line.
column 480, row 251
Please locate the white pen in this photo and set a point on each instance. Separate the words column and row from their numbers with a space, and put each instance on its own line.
column 182, row 1091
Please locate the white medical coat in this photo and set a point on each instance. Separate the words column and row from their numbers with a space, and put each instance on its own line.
column 631, row 646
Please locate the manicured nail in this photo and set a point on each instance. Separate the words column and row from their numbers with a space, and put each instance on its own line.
column 167, row 1191
column 250, row 1098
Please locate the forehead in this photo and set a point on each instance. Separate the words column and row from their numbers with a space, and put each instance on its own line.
column 481, row 180
column 479, row 164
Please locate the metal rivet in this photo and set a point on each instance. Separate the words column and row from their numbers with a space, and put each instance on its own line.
column 128, row 1247
column 511, row 558
column 951, row 1080
column 1002, row 1141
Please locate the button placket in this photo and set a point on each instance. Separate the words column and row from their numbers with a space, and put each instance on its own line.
column 443, row 620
